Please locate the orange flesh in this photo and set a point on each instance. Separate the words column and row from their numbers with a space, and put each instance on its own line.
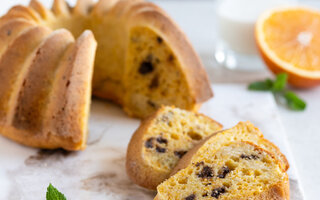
column 294, row 36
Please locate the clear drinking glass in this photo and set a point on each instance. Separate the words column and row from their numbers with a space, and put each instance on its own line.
column 236, row 47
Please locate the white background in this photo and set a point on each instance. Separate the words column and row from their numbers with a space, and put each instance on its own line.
column 197, row 19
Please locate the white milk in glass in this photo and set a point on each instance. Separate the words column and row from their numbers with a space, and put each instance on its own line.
column 236, row 47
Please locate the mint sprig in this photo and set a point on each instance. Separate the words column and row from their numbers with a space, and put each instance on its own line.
column 54, row 194
column 294, row 102
column 279, row 88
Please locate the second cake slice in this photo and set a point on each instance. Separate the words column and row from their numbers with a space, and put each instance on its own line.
column 160, row 142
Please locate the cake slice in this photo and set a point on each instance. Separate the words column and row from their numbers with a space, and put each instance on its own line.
column 236, row 170
column 160, row 142
column 68, row 110
column 243, row 131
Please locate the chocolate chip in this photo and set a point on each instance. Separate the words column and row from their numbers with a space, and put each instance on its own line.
column 199, row 163
column 154, row 82
column 159, row 39
column 223, row 172
column 170, row 58
column 180, row 154
column 162, row 140
column 205, row 195
column 217, row 192
column 149, row 143
column 146, row 67
column 160, row 149
column 249, row 157
column 9, row 33
column 206, row 172
column 153, row 105
column 190, row 197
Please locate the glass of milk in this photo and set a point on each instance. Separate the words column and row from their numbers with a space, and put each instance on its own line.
column 236, row 46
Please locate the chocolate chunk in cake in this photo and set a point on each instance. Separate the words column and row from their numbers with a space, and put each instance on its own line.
column 159, row 39
column 160, row 149
column 162, row 140
column 146, row 67
column 199, row 163
column 190, row 197
column 223, row 172
column 217, row 192
column 149, row 143
column 206, row 172
column 249, row 157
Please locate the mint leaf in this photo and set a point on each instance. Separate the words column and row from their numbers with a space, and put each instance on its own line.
column 294, row 102
column 280, row 82
column 278, row 88
column 261, row 85
column 54, row 194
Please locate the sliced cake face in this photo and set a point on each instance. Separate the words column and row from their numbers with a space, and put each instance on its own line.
column 172, row 133
column 153, row 75
column 243, row 131
column 238, row 170
column 162, row 140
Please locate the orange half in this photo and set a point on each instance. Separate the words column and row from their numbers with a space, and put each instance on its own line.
column 289, row 41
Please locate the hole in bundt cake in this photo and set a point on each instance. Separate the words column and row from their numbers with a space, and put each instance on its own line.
column 194, row 136
column 245, row 172
column 183, row 181
column 257, row 173
column 174, row 136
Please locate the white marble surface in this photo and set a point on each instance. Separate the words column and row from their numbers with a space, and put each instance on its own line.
column 197, row 19
column 99, row 173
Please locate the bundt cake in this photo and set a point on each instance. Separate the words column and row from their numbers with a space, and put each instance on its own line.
column 142, row 61
column 161, row 140
column 236, row 170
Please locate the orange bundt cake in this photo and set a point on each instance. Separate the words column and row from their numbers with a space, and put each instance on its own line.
column 142, row 61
